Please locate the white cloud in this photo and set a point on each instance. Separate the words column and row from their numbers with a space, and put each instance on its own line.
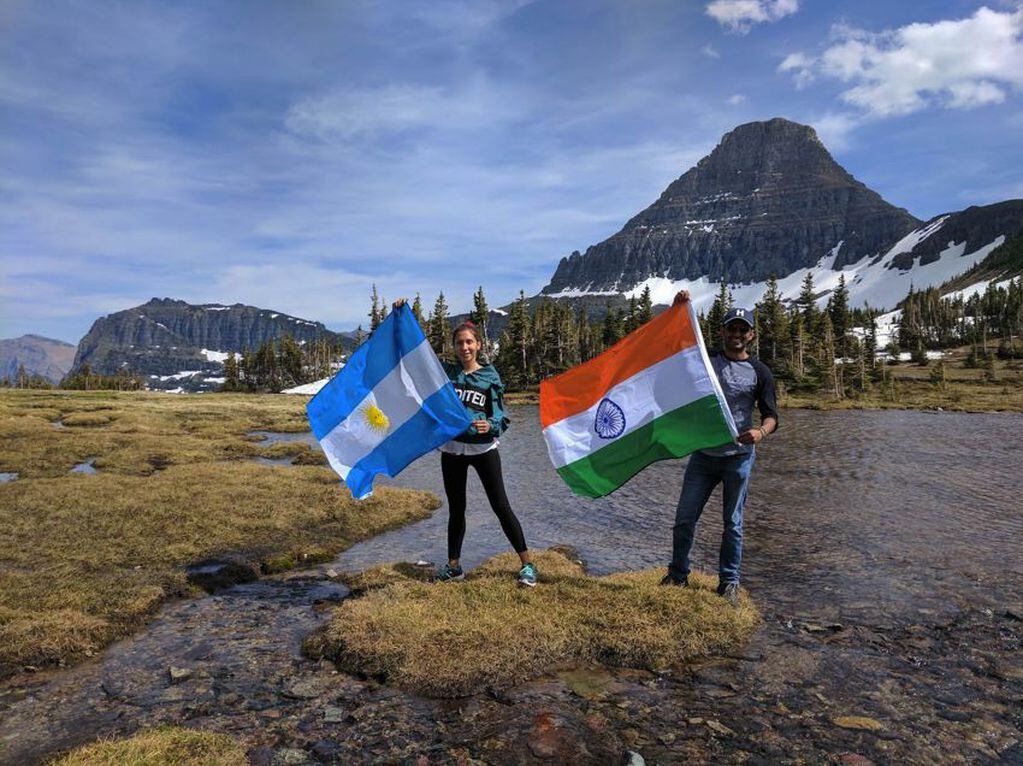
column 740, row 15
column 959, row 64
column 709, row 51
column 736, row 99
column 802, row 67
column 357, row 112
column 834, row 129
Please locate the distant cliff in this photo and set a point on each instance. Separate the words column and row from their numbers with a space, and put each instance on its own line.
column 41, row 356
column 167, row 337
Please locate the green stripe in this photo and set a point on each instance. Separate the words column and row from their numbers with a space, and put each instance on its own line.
column 697, row 425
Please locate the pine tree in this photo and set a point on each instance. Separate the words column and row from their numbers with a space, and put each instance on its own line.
column 290, row 363
column 773, row 329
column 807, row 303
column 480, row 316
column 375, row 312
column 826, row 357
column 513, row 355
column 440, row 329
column 646, row 306
column 838, row 311
column 797, row 345
column 632, row 317
column 417, row 312
column 614, row 326
column 245, row 371
column 720, row 307
column 231, row 382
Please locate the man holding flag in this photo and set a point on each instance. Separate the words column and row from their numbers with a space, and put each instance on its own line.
column 659, row 394
column 746, row 382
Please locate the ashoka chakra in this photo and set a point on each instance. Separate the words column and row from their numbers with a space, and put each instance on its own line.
column 609, row 422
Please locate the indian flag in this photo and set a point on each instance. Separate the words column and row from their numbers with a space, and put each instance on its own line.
column 651, row 396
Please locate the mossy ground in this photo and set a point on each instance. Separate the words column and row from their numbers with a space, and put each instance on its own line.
column 160, row 747
column 454, row 639
column 84, row 559
column 909, row 386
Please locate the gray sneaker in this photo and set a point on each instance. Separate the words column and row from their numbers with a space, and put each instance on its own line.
column 448, row 573
column 729, row 591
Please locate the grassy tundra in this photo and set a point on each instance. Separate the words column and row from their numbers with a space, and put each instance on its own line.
column 405, row 630
column 85, row 559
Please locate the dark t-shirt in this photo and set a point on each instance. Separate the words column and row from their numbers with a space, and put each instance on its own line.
column 744, row 384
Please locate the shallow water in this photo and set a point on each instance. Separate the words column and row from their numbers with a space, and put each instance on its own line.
column 6, row 476
column 85, row 467
column 852, row 514
column 883, row 548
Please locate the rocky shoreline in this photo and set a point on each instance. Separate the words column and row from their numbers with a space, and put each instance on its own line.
column 947, row 690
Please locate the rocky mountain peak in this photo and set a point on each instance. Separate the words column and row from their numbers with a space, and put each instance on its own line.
column 769, row 199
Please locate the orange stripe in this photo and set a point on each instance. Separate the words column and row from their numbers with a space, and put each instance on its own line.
column 581, row 387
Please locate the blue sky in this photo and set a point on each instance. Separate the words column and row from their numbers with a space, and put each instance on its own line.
column 290, row 154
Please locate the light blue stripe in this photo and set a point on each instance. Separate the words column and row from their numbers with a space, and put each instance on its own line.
column 369, row 364
column 442, row 418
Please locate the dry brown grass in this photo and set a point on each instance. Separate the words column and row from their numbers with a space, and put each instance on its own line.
column 85, row 559
column 452, row 639
column 916, row 394
column 160, row 747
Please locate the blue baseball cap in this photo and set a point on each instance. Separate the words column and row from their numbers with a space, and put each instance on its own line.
column 743, row 315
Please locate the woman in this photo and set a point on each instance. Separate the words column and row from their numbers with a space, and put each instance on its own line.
column 482, row 393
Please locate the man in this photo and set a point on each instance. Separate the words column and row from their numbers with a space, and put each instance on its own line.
column 745, row 381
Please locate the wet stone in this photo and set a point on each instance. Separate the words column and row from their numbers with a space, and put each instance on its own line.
column 216, row 575
column 179, row 675
column 290, row 756
column 325, row 751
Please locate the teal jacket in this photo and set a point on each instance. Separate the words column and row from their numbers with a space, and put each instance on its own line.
column 482, row 395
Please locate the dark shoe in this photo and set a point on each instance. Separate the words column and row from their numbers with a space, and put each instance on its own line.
column 448, row 573
column 671, row 579
column 729, row 591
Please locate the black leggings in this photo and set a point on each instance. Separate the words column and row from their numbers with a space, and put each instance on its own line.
column 455, row 470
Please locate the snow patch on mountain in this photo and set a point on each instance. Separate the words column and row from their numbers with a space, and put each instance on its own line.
column 215, row 356
column 870, row 280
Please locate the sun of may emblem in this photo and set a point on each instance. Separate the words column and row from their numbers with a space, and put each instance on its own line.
column 375, row 417
column 609, row 422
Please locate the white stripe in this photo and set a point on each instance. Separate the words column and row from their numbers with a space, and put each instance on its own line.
column 399, row 396
column 722, row 402
column 662, row 387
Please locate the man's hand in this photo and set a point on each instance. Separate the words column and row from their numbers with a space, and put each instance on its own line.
column 751, row 436
column 398, row 304
column 682, row 296
column 481, row 426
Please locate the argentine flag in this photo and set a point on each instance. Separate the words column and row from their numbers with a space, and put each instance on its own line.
column 391, row 403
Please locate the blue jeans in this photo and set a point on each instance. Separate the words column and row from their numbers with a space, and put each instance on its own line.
column 703, row 474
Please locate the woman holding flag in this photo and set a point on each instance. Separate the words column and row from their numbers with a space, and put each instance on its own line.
column 481, row 391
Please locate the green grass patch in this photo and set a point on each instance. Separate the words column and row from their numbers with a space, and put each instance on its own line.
column 160, row 747
column 85, row 560
column 454, row 639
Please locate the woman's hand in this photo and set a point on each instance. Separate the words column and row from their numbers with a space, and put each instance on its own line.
column 682, row 296
column 481, row 426
column 398, row 304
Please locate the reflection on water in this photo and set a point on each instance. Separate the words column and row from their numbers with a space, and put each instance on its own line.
column 850, row 513
column 7, row 476
column 85, row 467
